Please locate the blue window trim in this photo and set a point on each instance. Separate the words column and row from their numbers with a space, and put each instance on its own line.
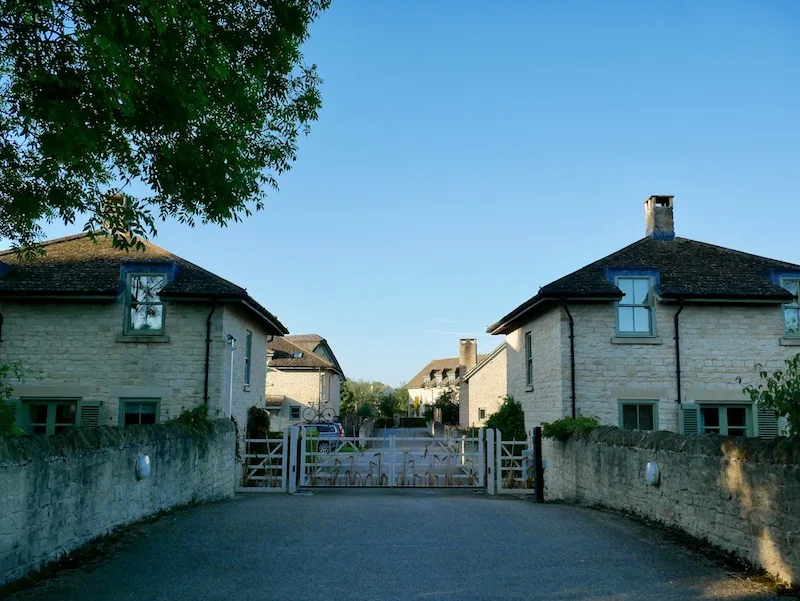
column 612, row 273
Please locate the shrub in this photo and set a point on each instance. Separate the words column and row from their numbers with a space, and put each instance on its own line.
column 196, row 423
column 8, row 424
column 509, row 419
column 413, row 422
column 257, row 422
column 563, row 428
column 779, row 391
column 384, row 422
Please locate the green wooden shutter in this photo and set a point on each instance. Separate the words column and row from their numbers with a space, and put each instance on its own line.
column 767, row 423
column 90, row 414
column 690, row 419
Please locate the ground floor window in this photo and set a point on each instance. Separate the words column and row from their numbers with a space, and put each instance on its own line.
column 638, row 415
column 50, row 416
column 294, row 412
column 135, row 412
column 481, row 413
column 728, row 420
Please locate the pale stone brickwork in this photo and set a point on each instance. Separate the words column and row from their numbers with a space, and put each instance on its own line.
column 742, row 497
column 301, row 388
column 59, row 493
column 546, row 400
column 77, row 350
column 718, row 343
column 484, row 390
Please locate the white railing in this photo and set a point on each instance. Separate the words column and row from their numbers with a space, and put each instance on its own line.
column 265, row 467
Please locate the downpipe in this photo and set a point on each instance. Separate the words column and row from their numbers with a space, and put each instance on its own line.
column 678, row 350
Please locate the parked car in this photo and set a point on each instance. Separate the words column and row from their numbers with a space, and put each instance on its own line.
column 326, row 432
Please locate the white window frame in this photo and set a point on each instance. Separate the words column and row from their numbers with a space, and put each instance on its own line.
column 791, row 306
column 129, row 329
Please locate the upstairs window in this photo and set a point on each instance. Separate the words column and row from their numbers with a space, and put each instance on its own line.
column 635, row 309
column 791, row 310
column 528, row 359
column 248, row 350
column 426, row 381
column 144, row 311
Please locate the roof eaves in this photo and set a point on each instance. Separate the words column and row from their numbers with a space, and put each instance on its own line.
column 508, row 323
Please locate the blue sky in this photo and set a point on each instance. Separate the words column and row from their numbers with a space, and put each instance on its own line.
column 469, row 152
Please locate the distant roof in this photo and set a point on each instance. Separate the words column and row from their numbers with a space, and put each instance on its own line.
column 434, row 367
column 304, row 338
column 311, row 342
column 687, row 269
column 290, row 355
column 77, row 266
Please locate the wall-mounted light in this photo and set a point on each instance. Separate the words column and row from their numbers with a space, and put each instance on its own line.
column 652, row 473
column 142, row 467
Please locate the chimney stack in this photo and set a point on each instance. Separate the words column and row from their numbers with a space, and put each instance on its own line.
column 468, row 353
column 658, row 218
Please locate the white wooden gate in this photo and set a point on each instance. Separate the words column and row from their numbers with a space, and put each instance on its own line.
column 484, row 461
column 393, row 462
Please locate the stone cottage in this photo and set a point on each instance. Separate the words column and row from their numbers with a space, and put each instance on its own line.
column 115, row 338
column 655, row 335
column 304, row 382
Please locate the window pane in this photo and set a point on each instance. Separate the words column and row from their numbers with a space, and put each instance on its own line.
column 710, row 417
column 737, row 417
column 629, row 417
column 146, row 317
column 145, row 288
column 38, row 413
column 625, row 319
column 528, row 346
column 626, row 285
column 131, row 418
column 641, row 319
column 646, row 417
column 792, row 317
column 65, row 413
column 641, row 291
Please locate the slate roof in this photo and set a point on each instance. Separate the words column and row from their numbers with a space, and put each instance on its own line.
column 687, row 269
column 284, row 351
column 77, row 266
column 311, row 342
column 434, row 367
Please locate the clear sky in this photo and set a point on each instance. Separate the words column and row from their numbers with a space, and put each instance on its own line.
column 469, row 152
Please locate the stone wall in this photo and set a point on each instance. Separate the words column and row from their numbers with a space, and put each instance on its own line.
column 58, row 493
column 544, row 401
column 740, row 495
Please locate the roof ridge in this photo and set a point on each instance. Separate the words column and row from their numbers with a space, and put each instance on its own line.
column 736, row 251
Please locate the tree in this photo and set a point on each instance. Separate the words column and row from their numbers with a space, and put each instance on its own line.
column 779, row 392
column 509, row 419
column 393, row 401
column 448, row 403
column 201, row 101
column 356, row 393
column 8, row 425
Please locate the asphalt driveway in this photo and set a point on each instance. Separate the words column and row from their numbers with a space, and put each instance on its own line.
column 377, row 544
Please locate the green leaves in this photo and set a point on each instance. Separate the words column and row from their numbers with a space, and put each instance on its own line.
column 509, row 419
column 779, row 392
column 201, row 100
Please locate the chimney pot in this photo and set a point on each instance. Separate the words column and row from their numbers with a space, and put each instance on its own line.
column 468, row 354
column 658, row 217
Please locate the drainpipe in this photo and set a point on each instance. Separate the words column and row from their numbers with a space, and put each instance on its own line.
column 232, row 342
column 678, row 349
column 1, row 328
column 208, row 350
column 571, row 353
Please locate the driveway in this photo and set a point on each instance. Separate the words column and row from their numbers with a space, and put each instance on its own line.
column 381, row 544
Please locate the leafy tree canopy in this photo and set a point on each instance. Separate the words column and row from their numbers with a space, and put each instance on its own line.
column 779, row 391
column 509, row 419
column 355, row 394
column 201, row 101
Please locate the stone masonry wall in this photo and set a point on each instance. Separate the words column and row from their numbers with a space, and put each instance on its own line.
column 58, row 493
column 545, row 400
column 718, row 343
column 485, row 390
column 740, row 495
column 76, row 350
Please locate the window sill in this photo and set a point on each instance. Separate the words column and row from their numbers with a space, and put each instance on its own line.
column 636, row 340
column 529, row 388
column 790, row 341
column 135, row 338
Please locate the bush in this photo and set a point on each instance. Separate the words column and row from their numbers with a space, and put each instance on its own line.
column 257, row 422
column 563, row 428
column 413, row 422
column 384, row 422
column 8, row 423
column 196, row 423
column 779, row 391
column 509, row 419
column 448, row 403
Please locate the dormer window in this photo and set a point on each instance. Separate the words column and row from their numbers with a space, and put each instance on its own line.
column 791, row 310
column 426, row 381
column 452, row 378
column 438, row 379
column 144, row 310
column 635, row 309
column 297, row 355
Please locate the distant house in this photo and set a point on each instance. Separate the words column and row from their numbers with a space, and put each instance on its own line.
column 478, row 382
column 108, row 337
column 654, row 336
column 304, row 382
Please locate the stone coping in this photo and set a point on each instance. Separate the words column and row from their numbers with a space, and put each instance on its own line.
column 783, row 451
column 19, row 450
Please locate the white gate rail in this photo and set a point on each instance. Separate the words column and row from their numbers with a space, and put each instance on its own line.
column 265, row 467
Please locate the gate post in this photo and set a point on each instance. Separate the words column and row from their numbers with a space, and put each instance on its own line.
column 498, row 457
column 293, row 452
column 481, row 458
column 490, row 462
column 537, row 462
column 391, row 462
column 284, row 460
